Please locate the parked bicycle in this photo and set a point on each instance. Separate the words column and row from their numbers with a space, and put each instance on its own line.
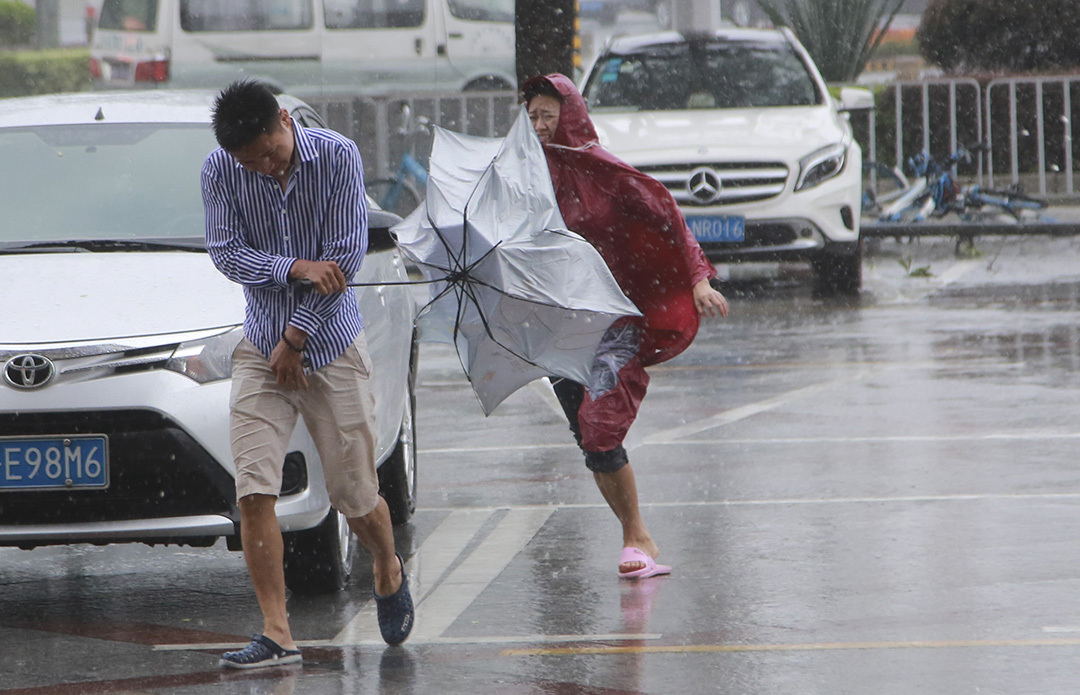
column 886, row 185
column 1009, row 203
column 403, row 191
column 935, row 193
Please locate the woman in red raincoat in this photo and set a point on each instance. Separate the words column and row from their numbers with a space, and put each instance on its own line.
column 640, row 232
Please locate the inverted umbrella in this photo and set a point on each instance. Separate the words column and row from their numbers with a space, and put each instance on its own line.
column 518, row 294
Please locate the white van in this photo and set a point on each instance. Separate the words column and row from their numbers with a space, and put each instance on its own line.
column 306, row 47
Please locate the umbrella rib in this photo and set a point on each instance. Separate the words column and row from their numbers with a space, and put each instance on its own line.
column 456, row 260
column 460, row 290
column 487, row 327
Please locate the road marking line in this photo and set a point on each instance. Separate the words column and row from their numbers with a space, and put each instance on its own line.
column 431, row 560
column 1015, row 436
column 441, row 549
column 792, row 501
column 458, row 591
column 496, row 449
column 996, row 437
column 549, row 639
column 728, row 417
column 504, row 639
column 447, row 600
column 195, row 647
column 822, row 646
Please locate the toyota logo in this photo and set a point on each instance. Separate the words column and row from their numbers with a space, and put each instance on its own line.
column 29, row 371
column 704, row 185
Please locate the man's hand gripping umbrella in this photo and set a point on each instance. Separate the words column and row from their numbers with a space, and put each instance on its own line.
column 518, row 294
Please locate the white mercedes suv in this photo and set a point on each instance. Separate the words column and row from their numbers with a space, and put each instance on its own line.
column 741, row 128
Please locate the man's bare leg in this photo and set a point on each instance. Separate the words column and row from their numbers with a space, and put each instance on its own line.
column 620, row 491
column 264, row 553
column 376, row 533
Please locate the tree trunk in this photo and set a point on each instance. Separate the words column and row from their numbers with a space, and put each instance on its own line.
column 544, row 33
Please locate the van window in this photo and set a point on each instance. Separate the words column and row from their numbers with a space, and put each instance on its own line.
column 129, row 15
column 245, row 15
column 483, row 10
column 373, row 14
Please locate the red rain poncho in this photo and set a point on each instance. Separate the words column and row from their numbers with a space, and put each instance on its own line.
column 637, row 227
column 633, row 222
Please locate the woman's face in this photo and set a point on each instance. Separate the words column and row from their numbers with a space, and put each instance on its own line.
column 544, row 114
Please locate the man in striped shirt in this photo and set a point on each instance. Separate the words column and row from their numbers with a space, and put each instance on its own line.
column 285, row 203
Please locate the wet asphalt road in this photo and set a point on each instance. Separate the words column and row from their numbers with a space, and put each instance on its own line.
column 878, row 496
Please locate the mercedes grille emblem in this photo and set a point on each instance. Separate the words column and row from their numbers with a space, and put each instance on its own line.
column 704, row 185
column 29, row 371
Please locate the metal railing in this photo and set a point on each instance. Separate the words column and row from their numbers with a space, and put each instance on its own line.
column 1057, row 121
column 375, row 123
column 1027, row 121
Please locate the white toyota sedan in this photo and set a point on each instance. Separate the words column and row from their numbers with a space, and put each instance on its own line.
column 116, row 344
column 741, row 128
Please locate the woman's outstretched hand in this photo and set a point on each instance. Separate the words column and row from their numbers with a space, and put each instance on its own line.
column 708, row 301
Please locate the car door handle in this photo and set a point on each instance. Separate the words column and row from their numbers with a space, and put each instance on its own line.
column 441, row 50
column 419, row 46
column 456, row 35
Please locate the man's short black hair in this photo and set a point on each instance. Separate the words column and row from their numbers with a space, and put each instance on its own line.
column 242, row 112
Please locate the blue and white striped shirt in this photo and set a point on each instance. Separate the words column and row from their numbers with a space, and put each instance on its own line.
column 254, row 232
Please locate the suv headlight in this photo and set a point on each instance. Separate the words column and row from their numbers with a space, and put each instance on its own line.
column 820, row 166
column 206, row 360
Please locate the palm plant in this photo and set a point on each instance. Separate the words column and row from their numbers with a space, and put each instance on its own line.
column 839, row 34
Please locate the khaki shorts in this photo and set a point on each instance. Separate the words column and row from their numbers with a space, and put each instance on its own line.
column 339, row 410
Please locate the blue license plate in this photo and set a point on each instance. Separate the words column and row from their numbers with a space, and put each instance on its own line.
column 54, row 463
column 718, row 228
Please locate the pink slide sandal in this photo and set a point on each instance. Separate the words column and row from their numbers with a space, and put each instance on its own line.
column 651, row 569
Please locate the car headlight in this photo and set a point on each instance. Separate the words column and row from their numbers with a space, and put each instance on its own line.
column 820, row 166
column 206, row 360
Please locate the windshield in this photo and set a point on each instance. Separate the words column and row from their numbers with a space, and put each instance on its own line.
column 102, row 181
column 249, row 15
column 483, row 10
column 704, row 75
column 129, row 15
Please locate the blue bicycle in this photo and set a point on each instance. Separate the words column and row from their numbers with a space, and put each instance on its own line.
column 933, row 193
column 397, row 193
column 1010, row 204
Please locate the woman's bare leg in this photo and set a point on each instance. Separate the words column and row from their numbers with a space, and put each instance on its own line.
column 620, row 491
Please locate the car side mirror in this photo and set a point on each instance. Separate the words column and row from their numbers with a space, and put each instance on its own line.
column 855, row 99
column 379, row 224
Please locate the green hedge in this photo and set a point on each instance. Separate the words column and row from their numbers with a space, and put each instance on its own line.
column 1001, row 36
column 17, row 23
column 44, row 72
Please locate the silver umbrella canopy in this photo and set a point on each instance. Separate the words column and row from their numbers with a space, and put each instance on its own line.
column 518, row 294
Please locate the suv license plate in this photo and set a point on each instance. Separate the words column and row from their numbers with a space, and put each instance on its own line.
column 54, row 463
column 718, row 228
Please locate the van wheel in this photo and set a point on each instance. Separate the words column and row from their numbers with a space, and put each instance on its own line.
column 397, row 475
column 320, row 560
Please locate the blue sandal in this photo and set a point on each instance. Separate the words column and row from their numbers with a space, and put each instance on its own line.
column 396, row 615
column 262, row 652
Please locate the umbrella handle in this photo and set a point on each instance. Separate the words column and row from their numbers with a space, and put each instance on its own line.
column 303, row 284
